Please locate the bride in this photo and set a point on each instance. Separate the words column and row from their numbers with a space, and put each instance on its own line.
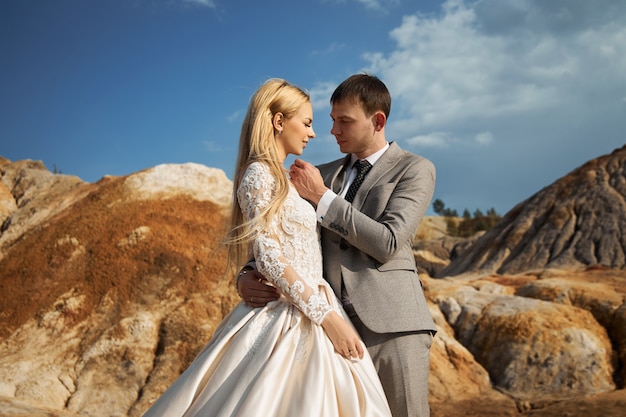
column 299, row 355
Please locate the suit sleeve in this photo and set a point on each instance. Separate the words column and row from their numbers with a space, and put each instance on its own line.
column 391, row 213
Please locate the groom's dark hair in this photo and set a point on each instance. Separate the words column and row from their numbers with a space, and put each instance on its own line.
column 364, row 89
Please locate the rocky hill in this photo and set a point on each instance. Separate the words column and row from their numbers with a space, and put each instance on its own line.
column 109, row 289
column 579, row 220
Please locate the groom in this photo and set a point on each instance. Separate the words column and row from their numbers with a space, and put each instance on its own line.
column 369, row 205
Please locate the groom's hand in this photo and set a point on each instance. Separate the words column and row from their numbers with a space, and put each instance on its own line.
column 254, row 288
column 307, row 180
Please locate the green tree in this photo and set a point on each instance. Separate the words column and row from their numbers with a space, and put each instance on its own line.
column 452, row 228
column 469, row 224
column 438, row 207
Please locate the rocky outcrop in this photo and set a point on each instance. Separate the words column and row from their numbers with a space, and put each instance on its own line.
column 579, row 220
column 108, row 290
column 532, row 349
column 30, row 194
column 432, row 255
column 601, row 293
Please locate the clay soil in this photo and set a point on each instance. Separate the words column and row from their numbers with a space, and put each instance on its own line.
column 183, row 245
column 612, row 404
column 39, row 263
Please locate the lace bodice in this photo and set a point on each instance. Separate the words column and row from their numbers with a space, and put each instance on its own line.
column 290, row 243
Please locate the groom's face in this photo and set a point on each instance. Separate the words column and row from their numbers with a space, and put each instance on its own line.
column 352, row 128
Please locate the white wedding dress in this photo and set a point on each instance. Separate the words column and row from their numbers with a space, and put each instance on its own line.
column 277, row 361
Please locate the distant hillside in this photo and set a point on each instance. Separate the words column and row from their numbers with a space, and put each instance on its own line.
column 578, row 221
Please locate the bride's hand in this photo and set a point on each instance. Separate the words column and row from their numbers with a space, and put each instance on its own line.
column 343, row 336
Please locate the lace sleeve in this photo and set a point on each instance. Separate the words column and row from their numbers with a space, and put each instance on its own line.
column 254, row 194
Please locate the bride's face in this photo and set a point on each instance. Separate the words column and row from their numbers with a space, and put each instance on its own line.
column 297, row 131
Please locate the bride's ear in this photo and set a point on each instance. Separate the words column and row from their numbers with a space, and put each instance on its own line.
column 277, row 122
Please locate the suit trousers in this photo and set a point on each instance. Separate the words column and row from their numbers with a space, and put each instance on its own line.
column 403, row 364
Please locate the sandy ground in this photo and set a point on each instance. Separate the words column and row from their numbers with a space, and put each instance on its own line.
column 611, row 404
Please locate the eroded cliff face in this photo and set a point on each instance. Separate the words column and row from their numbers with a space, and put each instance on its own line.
column 108, row 290
column 579, row 220
column 106, row 286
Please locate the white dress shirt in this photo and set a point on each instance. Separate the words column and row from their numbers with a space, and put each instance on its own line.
column 329, row 195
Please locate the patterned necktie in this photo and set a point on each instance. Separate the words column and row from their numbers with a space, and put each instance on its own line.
column 362, row 168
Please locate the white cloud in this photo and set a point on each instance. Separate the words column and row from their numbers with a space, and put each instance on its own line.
column 547, row 79
column 320, row 98
column 374, row 5
column 445, row 70
column 459, row 71
column 432, row 140
column 204, row 3
column 484, row 138
column 212, row 146
column 331, row 49
column 371, row 4
column 236, row 116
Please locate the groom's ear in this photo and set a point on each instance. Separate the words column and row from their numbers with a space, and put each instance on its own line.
column 379, row 120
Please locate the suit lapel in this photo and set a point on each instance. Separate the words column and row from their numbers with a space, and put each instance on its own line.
column 337, row 176
column 386, row 161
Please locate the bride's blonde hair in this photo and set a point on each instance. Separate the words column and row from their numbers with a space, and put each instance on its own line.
column 257, row 143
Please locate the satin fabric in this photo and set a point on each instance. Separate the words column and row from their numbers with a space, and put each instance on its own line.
column 290, row 370
column 277, row 360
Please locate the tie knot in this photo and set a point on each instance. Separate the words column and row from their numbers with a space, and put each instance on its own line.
column 362, row 165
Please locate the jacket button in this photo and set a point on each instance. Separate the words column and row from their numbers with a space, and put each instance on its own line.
column 343, row 246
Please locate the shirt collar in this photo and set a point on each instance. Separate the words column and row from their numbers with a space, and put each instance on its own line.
column 372, row 158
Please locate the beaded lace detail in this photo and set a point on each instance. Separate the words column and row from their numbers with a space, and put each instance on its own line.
column 290, row 240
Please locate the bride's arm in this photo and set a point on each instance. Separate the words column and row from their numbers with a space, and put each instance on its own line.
column 254, row 194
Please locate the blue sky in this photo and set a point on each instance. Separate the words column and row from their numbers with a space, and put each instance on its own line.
column 504, row 96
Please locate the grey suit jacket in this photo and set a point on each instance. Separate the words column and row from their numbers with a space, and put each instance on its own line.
column 369, row 242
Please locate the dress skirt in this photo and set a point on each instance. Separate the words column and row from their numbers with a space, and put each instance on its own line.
column 273, row 362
